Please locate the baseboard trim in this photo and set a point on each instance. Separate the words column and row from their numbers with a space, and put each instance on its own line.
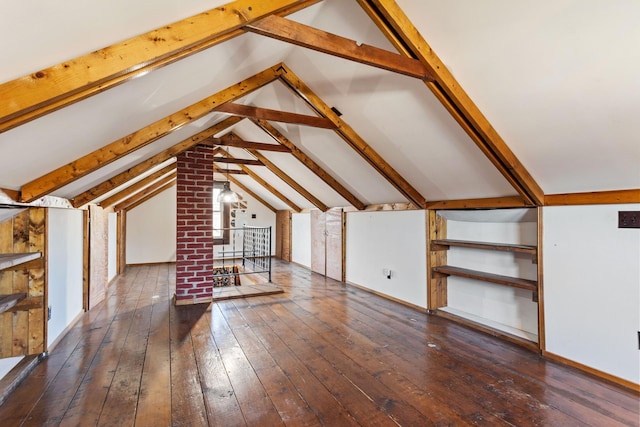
column 389, row 297
column 592, row 371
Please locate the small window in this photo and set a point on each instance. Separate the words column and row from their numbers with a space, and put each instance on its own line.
column 220, row 218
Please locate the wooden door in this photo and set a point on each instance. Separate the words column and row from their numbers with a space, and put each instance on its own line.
column 318, row 242
column 334, row 244
column 283, row 235
column 98, row 256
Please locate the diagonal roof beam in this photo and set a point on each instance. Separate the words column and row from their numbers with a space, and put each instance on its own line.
column 285, row 177
column 309, row 163
column 303, row 35
column 251, row 193
column 135, row 171
column 147, row 193
column 263, row 182
column 235, row 161
column 292, row 183
column 77, row 169
column 275, row 115
column 229, row 171
column 55, row 87
column 397, row 27
column 231, row 141
column 352, row 138
column 137, row 186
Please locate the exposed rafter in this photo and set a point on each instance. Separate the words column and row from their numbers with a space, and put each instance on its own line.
column 400, row 31
column 291, row 80
column 285, row 177
column 251, row 193
column 322, row 41
column 135, row 171
column 271, row 189
column 292, row 182
column 230, row 141
column 124, row 204
column 229, row 171
column 55, row 87
column 275, row 115
column 235, row 161
column 137, row 186
column 309, row 163
column 77, row 169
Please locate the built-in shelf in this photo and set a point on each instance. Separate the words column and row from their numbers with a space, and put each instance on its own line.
column 11, row 260
column 514, row 282
column 9, row 301
column 443, row 251
column 506, row 247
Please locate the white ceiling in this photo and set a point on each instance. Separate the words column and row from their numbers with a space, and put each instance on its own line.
column 558, row 80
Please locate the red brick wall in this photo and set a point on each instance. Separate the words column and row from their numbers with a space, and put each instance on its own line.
column 194, row 252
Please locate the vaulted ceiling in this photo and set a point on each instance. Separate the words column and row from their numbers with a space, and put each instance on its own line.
column 520, row 100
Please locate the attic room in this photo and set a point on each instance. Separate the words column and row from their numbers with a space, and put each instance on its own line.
column 446, row 197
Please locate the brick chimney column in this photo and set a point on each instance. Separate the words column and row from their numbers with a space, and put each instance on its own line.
column 194, row 252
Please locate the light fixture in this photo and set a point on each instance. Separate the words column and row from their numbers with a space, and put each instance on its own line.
column 227, row 195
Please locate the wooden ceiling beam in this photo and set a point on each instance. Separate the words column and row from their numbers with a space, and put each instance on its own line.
column 252, row 194
column 142, row 167
column 137, row 186
column 75, row 170
column 489, row 203
column 143, row 196
column 250, row 111
column 47, row 90
column 321, row 41
column 271, row 189
column 309, row 163
column 228, row 141
column 235, row 161
column 124, row 204
column 290, row 181
column 397, row 27
column 229, row 171
column 593, row 198
column 292, row 81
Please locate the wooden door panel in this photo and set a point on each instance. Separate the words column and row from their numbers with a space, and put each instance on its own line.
column 334, row 230
column 318, row 242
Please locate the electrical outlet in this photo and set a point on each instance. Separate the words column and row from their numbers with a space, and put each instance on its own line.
column 629, row 219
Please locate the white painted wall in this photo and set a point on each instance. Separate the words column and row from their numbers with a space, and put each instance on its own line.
column 112, row 254
column 592, row 288
column 301, row 239
column 388, row 240
column 65, row 246
column 507, row 306
column 151, row 230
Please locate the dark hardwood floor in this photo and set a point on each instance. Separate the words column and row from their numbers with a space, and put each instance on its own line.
column 322, row 353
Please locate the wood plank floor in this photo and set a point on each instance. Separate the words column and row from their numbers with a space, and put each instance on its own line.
column 322, row 353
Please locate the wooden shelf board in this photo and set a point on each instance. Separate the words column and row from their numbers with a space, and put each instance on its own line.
column 11, row 260
column 505, row 247
column 9, row 301
column 514, row 282
column 491, row 327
